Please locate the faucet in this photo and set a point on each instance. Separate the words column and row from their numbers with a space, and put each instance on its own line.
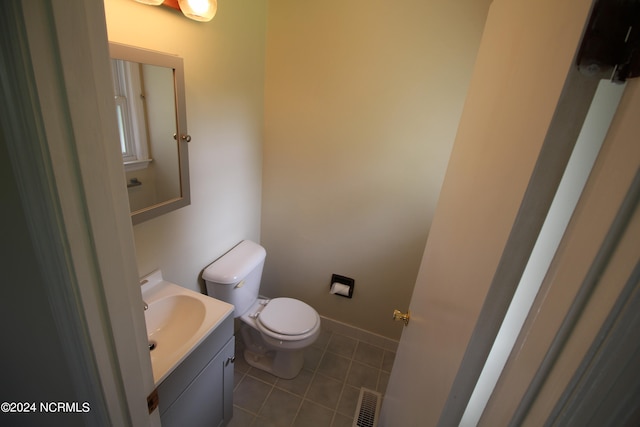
column 145, row 305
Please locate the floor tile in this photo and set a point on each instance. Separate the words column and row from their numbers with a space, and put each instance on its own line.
column 334, row 366
column 369, row 355
column 362, row 376
column 342, row 421
column 322, row 340
column 240, row 364
column 387, row 360
column 250, row 394
column 312, row 357
column 280, row 408
column 237, row 377
column 241, row 418
column 342, row 345
column 312, row 415
column 348, row 400
column 383, row 381
column 262, row 375
column 325, row 391
column 297, row 385
column 263, row 422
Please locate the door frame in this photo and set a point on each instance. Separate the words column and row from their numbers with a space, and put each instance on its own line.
column 571, row 320
column 61, row 142
column 558, row 145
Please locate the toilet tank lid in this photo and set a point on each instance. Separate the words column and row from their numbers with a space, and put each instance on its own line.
column 236, row 264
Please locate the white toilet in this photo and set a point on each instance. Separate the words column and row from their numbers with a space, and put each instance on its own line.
column 275, row 331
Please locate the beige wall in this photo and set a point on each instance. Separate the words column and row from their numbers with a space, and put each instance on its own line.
column 361, row 104
column 224, row 72
column 362, row 101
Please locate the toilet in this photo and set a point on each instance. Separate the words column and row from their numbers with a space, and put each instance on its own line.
column 275, row 331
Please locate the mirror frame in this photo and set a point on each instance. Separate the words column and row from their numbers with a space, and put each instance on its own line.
column 145, row 56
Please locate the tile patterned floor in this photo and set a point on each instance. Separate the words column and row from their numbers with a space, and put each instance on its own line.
column 324, row 394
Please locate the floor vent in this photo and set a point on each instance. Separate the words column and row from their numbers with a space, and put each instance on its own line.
column 368, row 408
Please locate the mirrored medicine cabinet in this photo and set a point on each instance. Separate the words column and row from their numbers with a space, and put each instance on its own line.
column 149, row 94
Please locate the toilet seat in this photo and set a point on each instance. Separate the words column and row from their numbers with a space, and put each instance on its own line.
column 288, row 319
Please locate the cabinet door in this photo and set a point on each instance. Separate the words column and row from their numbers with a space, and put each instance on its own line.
column 208, row 400
column 228, row 357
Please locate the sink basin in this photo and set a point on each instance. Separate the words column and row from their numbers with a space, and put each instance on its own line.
column 174, row 319
column 178, row 320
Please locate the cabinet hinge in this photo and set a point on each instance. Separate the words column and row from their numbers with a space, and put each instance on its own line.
column 611, row 44
column 152, row 400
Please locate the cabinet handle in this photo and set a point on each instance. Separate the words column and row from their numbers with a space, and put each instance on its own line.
column 231, row 359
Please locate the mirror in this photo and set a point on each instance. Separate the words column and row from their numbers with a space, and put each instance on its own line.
column 152, row 125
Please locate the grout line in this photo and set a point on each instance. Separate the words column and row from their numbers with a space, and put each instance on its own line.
column 243, row 374
column 293, row 420
column 325, row 350
column 344, row 386
column 264, row 402
column 313, row 376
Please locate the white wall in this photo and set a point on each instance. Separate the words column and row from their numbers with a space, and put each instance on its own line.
column 224, row 73
column 362, row 102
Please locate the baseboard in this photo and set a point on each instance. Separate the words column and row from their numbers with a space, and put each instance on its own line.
column 359, row 334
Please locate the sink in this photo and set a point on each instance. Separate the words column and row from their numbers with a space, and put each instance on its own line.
column 174, row 319
column 178, row 320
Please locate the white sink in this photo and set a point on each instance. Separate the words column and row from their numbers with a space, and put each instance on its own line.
column 174, row 319
column 178, row 320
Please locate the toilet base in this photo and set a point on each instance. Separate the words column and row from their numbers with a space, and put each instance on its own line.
column 285, row 364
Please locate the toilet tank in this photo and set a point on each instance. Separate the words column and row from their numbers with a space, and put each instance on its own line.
column 235, row 276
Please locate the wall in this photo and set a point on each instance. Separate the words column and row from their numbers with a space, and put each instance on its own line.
column 362, row 101
column 224, row 73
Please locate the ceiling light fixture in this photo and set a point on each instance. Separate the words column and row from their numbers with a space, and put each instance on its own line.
column 198, row 10
column 150, row 2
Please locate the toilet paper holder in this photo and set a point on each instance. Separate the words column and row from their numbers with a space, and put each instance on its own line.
column 341, row 286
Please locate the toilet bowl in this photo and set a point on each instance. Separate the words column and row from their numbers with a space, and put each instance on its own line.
column 285, row 323
column 275, row 331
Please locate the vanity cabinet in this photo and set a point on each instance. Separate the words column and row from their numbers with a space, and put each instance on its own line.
column 199, row 391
